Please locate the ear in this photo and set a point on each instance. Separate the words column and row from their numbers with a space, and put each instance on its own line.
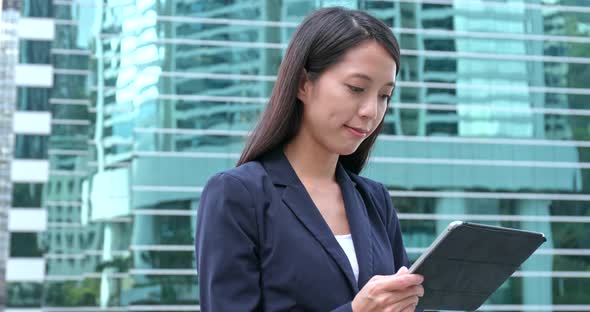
column 304, row 86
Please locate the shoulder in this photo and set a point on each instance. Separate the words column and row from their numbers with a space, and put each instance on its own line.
column 377, row 192
column 373, row 187
column 371, row 184
column 248, row 176
column 233, row 194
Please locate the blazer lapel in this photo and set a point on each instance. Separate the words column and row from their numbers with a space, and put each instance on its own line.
column 300, row 203
column 360, row 227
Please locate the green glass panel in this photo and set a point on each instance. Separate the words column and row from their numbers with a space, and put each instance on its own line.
column 34, row 52
column 172, row 230
column 32, row 99
column 30, row 146
column 69, row 87
column 25, row 245
column 72, row 293
column 158, row 290
column 34, row 8
column 27, row 194
column 24, row 295
column 164, row 259
column 78, row 112
column 71, row 61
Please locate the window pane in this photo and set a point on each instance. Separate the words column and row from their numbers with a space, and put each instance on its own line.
column 34, row 52
column 30, row 146
column 23, row 295
column 25, row 245
column 36, row 8
column 32, row 99
column 27, row 194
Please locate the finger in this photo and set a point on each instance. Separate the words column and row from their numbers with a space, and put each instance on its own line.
column 377, row 277
column 410, row 308
column 398, row 282
column 396, row 296
column 405, row 303
column 395, row 307
column 417, row 290
column 402, row 270
column 387, row 299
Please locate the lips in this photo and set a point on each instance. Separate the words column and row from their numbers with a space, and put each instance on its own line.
column 358, row 131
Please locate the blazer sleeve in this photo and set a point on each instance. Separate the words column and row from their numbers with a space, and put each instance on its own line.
column 226, row 247
column 395, row 235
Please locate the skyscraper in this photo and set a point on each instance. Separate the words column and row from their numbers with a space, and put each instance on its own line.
column 8, row 54
column 31, row 80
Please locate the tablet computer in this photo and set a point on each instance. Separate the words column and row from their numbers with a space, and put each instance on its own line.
column 469, row 261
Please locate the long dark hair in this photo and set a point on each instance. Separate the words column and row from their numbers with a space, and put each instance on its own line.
column 319, row 41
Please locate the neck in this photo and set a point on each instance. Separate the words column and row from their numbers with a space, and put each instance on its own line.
column 311, row 161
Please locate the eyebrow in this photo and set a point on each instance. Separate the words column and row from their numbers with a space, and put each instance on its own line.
column 365, row 77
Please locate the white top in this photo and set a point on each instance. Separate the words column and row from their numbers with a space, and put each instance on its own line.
column 345, row 242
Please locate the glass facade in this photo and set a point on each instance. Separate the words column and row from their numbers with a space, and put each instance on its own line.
column 30, row 146
column 489, row 123
column 28, row 155
column 8, row 61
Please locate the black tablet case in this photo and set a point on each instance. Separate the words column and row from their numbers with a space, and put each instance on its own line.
column 470, row 263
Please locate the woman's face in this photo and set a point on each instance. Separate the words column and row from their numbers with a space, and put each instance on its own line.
column 346, row 103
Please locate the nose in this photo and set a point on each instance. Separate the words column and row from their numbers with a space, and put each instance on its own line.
column 369, row 107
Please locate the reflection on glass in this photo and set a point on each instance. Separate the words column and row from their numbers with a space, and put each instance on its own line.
column 25, row 245
column 34, row 52
column 23, row 294
column 27, row 194
column 30, row 146
column 32, row 99
column 166, row 290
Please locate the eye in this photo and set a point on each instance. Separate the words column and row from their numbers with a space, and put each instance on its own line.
column 355, row 89
column 386, row 97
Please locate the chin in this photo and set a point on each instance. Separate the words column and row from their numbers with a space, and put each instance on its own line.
column 345, row 150
column 340, row 146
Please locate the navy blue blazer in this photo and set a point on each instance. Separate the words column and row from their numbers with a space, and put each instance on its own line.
column 262, row 244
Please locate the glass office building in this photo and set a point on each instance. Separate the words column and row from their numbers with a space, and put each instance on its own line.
column 8, row 59
column 24, row 170
column 144, row 100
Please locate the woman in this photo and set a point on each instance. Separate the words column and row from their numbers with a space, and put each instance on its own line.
column 293, row 227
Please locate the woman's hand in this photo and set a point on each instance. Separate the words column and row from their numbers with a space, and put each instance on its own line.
column 391, row 293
